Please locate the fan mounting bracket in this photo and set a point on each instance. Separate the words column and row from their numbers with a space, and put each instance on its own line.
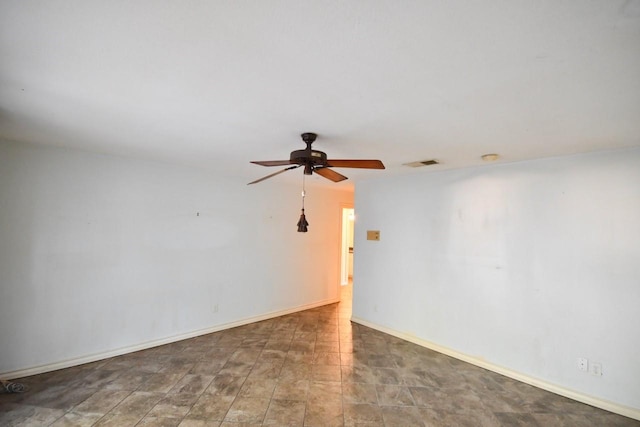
column 309, row 137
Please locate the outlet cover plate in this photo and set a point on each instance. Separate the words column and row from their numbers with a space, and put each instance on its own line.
column 583, row 364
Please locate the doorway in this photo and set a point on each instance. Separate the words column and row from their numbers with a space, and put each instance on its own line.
column 346, row 264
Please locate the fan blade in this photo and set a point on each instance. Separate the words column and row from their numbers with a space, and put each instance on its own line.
column 330, row 174
column 363, row 164
column 273, row 162
column 273, row 174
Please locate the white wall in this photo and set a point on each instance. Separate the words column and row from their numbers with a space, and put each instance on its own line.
column 527, row 265
column 99, row 253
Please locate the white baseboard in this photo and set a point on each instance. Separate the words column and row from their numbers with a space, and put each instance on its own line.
column 554, row 388
column 20, row 373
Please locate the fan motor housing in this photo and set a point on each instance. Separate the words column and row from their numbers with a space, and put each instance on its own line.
column 314, row 157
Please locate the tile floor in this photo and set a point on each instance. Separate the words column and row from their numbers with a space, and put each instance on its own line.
column 312, row 368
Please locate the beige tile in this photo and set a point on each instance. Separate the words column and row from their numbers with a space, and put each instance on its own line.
column 416, row 377
column 294, row 356
column 283, row 413
column 19, row 415
column 300, row 371
column 361, row 413
column 325, row 358
column 327, row 347
column 230, row 342
column 381, row 361
column 149, row 363
column 272, row 355
column 358, row 374
column 248, row 409
column 174, row 406
column 121, row 363
column 327, row 336
column 245, row 355
column 177, row 367
column 219, row 353
column 211, row 407
column 137, row 403
column 323, row 414
column 119, row 420
column 257, row 387
column 188, row 422
column 159, row 422
column 235, row 368
column 441, row 398
column 296, row 390
column 402, row 416
column 485, row 419
column 302, row 346
column 567, row 420
column 387, row 376
column 266, row 370
column 161, row 382
column 502, row 402
column 328, row 392
column 58, row 397
column 71, row 419
column 307, row 327
column 326, row 373
column 208, row 367
column 346, row 358
column 101, row 402
column 192, row 384
column 302, row 336
column 278, row 344
column 359, row 393
column 130, row 380
column 231, row 424
column 391, row 395
column 225, row 385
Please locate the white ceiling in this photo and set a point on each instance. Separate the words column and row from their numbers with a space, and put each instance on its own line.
column 216, row 84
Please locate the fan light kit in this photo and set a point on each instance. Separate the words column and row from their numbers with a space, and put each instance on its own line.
column 314, row 161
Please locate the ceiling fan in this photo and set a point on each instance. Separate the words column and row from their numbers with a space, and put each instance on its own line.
column 316, row 161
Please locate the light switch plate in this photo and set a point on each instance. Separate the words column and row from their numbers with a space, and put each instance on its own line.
column 373, row 234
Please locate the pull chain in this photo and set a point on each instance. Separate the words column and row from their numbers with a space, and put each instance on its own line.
column 302, row 223
column 304, row 193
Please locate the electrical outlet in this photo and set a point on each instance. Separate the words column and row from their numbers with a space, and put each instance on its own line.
column 215, row 308
column 583, row 364
column 596, row 369
column 375, row 308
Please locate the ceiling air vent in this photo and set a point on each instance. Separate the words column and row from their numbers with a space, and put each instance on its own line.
column 421, row 163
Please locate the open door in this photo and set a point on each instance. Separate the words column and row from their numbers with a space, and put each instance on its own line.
column 346, row 265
